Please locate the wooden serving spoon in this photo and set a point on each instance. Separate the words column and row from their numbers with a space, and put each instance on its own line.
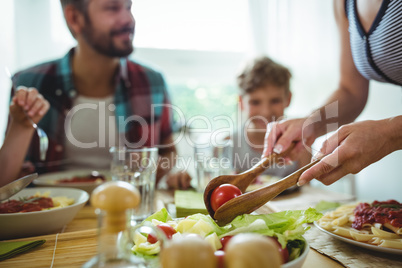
column 247, row 203
column 242, row 180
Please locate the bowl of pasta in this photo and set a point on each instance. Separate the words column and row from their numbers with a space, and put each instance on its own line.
column 375, row 226
column 39, row 211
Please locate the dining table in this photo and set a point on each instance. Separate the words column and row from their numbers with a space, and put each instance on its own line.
column 76, row 243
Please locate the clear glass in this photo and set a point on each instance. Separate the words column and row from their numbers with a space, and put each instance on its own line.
column 138, row 167
column 213, row 161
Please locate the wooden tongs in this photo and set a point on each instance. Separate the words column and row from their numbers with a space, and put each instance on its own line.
column 248, row 202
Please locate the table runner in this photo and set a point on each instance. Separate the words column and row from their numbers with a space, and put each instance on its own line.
column 60, row 250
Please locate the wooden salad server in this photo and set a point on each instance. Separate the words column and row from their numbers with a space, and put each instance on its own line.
column 248, row 202
column 242, row 180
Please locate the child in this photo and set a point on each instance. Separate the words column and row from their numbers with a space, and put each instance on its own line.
column 265, row 94
column 20, row 132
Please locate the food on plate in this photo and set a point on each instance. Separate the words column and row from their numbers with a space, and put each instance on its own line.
column 222, row 194
column 252, row 250
column 188, row 251
column 285, row 229
column 94, row 177
column 36, row 202
column 378, row 223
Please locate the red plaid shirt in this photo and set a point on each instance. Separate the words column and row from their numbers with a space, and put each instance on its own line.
column 140, row 92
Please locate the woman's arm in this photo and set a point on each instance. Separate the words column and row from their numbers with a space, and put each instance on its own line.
column 353, row 88
column 342, row 107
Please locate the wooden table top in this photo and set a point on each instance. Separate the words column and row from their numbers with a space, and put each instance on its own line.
column 76, row 244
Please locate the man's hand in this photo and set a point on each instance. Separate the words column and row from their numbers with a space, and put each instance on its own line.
column 179, row 180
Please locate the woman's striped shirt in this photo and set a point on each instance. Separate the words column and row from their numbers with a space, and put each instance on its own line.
column 377, row 54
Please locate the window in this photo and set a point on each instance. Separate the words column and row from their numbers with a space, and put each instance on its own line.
column 191, row 25
column 199, row 46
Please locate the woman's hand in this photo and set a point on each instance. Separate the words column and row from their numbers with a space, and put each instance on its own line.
column 354, row 147
column 280, row 135
column 28, row 102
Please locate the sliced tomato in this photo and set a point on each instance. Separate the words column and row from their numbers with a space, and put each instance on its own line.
column 152, row 238
column 166, row 228
column 224, row 240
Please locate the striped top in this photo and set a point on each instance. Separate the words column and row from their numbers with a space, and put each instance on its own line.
column 377, row 54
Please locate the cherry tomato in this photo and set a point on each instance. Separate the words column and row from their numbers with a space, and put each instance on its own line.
column 224, row 240
column 220, row 256
column 283, row 251
column 222, row 194
column 166, row 228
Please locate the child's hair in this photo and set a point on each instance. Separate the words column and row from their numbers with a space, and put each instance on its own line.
column 261, row 72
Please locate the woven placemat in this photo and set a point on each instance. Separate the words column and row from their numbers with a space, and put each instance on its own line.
column 350, row 255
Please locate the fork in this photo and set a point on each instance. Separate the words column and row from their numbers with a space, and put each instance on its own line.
column 43, row 139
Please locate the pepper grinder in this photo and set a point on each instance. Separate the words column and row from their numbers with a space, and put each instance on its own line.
column 113, row 201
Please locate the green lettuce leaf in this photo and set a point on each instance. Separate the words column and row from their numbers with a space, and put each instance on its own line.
column 161, row 215
column 285, row 225
column 216, row 228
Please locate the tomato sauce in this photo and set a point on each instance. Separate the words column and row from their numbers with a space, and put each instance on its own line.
column 378, row 212
column 26, row 205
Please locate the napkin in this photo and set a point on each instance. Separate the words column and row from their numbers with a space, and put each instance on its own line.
column 10, row 249
column 189, row 202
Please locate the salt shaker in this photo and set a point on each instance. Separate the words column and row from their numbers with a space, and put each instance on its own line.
column 113, row 201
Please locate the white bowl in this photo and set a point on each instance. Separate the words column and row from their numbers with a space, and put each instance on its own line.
column 50, row 179
column 298, row 263
column 26, row 224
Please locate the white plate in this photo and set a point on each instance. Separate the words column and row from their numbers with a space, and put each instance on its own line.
column 27, row 224
column 50, row 179
column 360, row 244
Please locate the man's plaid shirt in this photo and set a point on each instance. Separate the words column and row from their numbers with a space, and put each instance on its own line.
column 140, row 96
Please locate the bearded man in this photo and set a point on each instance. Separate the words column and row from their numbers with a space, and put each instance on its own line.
column 98, row 97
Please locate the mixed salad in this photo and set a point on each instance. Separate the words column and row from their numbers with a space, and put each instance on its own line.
column 286, row 227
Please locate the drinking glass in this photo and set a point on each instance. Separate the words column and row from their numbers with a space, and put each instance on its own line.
column 212, row 161
column 138, row 167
